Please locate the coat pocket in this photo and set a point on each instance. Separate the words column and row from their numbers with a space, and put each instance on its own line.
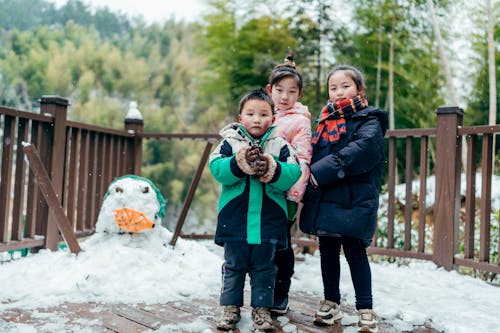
column 309, row 212
column 339, row 195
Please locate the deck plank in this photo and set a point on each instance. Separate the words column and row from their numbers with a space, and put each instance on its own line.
column 138, row 318
column 120, row 324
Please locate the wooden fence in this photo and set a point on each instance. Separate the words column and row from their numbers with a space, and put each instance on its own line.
column 82, row 160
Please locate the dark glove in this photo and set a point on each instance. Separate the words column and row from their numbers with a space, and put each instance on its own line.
column 261, row 167
column 267, row 166
column 252, row 154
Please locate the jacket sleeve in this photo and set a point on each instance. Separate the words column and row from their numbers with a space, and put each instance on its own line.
column 223, row 165
column 287, row 169
column 362, row 154
column 301, row 142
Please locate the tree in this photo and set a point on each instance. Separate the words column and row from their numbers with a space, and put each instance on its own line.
column 21, row 14
column 406, row 25
column 393, row 45
column 322, row 40
column 239, row 54
column 479, row 98
column 452, row 94
column 491, row 66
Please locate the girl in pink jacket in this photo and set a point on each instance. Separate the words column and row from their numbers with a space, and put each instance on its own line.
column 293, row 122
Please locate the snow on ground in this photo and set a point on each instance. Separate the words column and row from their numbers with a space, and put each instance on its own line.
column 144, row 268
column 131, row 270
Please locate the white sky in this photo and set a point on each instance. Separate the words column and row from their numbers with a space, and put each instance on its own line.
column 140, row 269
column 152, row 10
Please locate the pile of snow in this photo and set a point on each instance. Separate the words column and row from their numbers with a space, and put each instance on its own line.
column 124, row 269
column 144, row 268
column 112, row 269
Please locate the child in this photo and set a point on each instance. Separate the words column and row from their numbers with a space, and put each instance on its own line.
column 293, row 122
column 341, row 201
column 255, row 167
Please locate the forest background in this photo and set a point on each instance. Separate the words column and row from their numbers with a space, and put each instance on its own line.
column 189, row 76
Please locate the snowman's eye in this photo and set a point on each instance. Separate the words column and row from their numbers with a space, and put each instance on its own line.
column 145, row 189
column 119, row 190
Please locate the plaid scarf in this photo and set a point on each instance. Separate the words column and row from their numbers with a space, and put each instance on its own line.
column 332, row 119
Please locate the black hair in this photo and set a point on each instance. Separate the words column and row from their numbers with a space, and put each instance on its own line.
column 259, row 94
column 351, row 71
column 284, row 70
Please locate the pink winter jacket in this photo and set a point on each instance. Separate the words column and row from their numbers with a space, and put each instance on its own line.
column 295, row 126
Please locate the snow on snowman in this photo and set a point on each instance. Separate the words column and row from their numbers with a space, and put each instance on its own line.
column 133, row 205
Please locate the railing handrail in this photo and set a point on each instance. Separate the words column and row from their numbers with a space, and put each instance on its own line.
column 181, row 136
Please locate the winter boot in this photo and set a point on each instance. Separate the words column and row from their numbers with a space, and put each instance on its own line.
column 367, row 321
column 328, row 313
column 229, row 318
column 262, row 320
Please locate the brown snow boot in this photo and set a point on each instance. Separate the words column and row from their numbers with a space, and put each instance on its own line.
column 229, row 318
column 262, row 320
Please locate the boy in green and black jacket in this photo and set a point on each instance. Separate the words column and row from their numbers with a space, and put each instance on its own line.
column 255, row 167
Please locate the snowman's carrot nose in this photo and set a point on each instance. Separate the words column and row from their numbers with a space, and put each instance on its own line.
column 132, row 220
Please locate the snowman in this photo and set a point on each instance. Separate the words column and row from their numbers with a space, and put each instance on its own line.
column 132, row 204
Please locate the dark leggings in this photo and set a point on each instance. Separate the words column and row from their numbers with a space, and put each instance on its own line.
column 285, row 262
column 355, row 253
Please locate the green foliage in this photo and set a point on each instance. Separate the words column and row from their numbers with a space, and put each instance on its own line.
column 101, row 72
column 30, row 14
column 478, row 105
column 322, row 40
column 417, row 82
column 20, row 14
column 240, row 54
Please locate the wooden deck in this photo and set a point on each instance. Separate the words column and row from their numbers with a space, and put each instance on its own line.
column 126, row 318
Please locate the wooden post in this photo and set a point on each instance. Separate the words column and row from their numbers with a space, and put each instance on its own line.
column 6, row 175
column 134, row 125
column 391, row 175
column 57, row 107
column 447, row 196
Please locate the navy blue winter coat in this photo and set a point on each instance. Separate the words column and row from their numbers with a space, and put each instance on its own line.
column 348, row 173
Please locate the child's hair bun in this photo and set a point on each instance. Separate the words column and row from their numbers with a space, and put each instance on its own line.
column 286, row 69
column 289, row 61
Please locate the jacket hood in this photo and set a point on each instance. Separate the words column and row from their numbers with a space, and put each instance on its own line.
column 298, row 108
column 380, row 114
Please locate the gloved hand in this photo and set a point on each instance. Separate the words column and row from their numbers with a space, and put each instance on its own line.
column 265, row 167
column 252, row 154
column 261, row 167
column 243, row 162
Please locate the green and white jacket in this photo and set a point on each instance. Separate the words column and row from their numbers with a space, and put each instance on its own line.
column 250, row 209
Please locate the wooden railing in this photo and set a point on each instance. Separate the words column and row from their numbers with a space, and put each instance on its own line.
column 452, row 219
column 82, row 160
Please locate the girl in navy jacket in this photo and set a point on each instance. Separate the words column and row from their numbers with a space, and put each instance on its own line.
column 341, row 201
